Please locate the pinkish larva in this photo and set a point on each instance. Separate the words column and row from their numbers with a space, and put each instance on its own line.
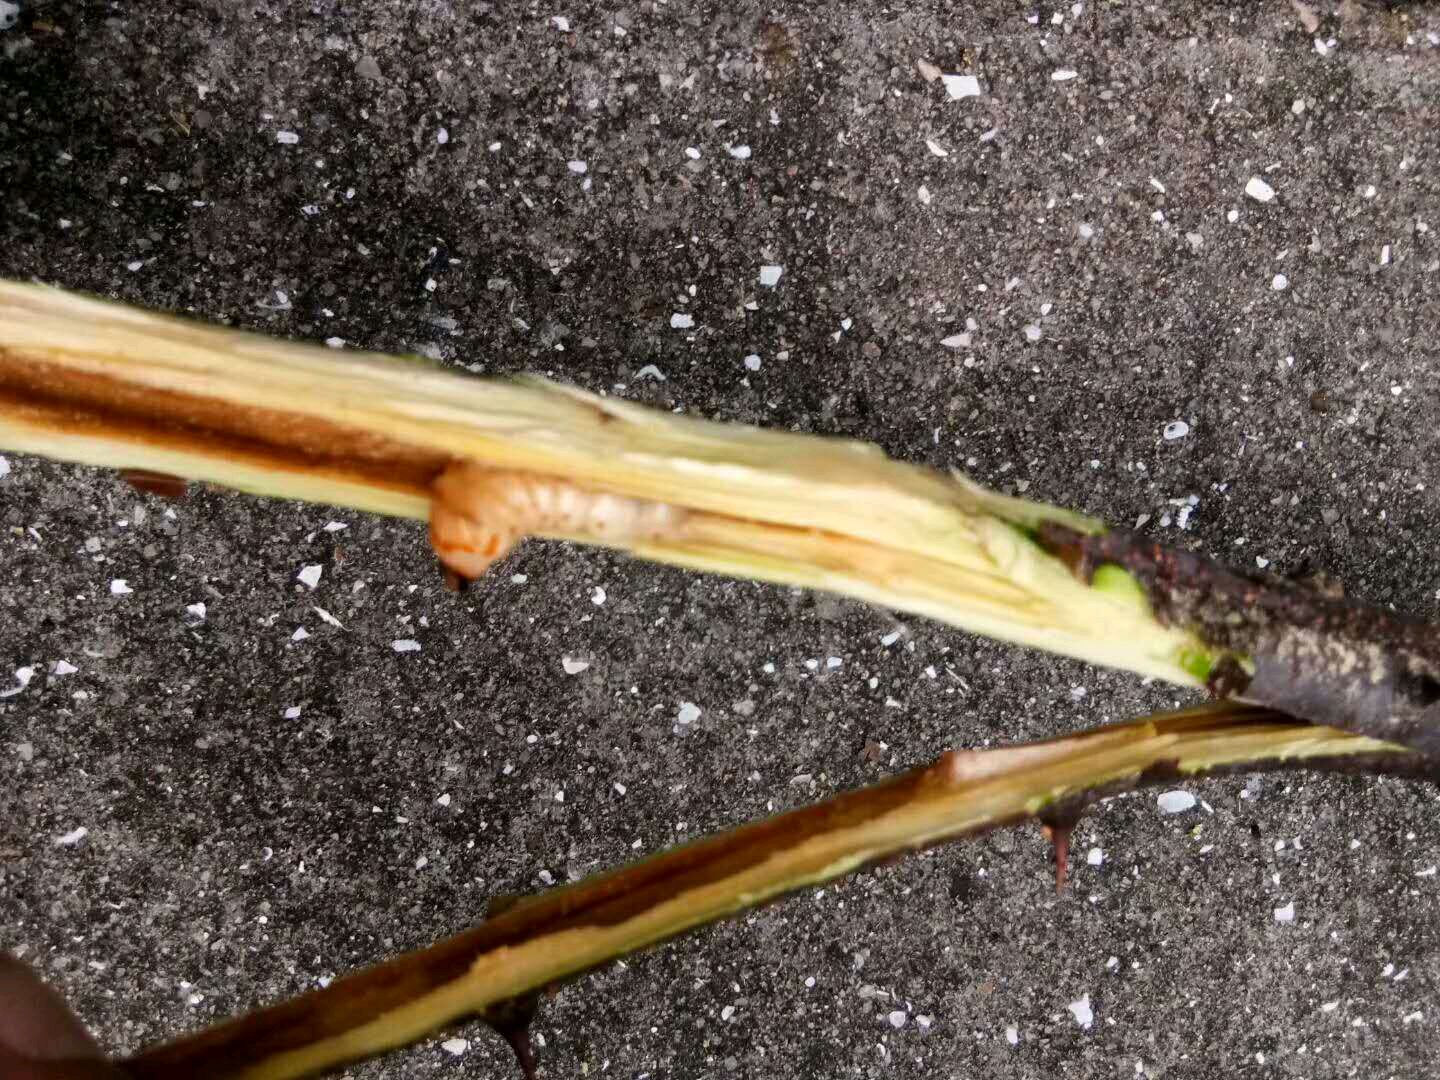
column 478, row 514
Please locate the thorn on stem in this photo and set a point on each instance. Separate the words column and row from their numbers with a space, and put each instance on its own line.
column 1058, row 833
column 1227, row 678
column 511, row 1021
column 501, row 903
column 519, row 1040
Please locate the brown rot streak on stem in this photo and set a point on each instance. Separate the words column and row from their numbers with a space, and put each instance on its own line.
column 154, row 483
column 1315, row 656
column 1070, row 548
column 65, row 401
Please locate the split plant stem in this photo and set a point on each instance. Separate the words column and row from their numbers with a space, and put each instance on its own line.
column 560, row 934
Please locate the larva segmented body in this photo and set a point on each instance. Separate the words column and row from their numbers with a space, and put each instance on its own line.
column 477, row 515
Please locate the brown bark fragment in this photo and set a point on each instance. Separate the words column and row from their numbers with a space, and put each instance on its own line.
column 162, row 485
column 1315, row 656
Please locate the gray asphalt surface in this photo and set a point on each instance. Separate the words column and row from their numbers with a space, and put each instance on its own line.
column 262, row 812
